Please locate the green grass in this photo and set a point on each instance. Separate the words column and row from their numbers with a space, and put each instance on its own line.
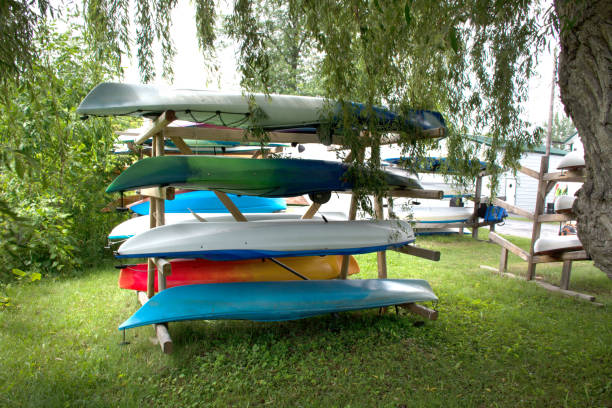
column 498, row 342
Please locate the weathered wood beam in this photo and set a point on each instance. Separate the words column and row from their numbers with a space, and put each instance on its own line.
column 312, row 210
column 161, row 330
column 158, row 124
column 520, row 252
column 570, row 176
column 346, row 258
column 182, row 146
column 577, row 295
column 231, row 207
column 565, row 275
column 420, row 310
column 531, row 173
column 381, row 256
column 555, row 217
column 477, row 198
column 513, row 208
column 240, row 135
column 418, row 251
column 564, row 256
column 417, row 193
column 164, row 193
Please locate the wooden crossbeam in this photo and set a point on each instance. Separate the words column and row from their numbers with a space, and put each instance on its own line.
column 418, row 251
column 555, row 217
column 182, row 146
column 158, row 125
column 520, row 252
column 531, row 173
column 231, row 207
column 417, row 193
column 161, row 330
column 569, row 176
column 564, row 256
column 240, row 135
column 312, row 210
column 420, row 310
column 513, row 208
column 164, row 193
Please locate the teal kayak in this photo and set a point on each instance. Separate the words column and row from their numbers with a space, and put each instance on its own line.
column 243, row 176
column 276, row 301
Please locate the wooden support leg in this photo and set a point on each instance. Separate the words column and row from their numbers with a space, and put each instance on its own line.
column 503, row 261
column 312, row 210
column 161, row 330
column 150, row 278
column 421, row 310
column 565, row 275
column 345, row 258
column 382, row 255
column 231, row 207
column 477, row 194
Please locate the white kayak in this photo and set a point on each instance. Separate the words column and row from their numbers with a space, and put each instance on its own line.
column 232, row 109
column 226, row 241
column 572, row 161
column 564, row 203
column 555, row 244
column 137, row 225
column 435, row 215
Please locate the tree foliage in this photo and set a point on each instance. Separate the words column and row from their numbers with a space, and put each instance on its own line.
column 54, row 166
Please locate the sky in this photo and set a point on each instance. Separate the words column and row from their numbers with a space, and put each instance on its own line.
column 190, row 71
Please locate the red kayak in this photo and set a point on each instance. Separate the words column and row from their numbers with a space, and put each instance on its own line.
column 197, row 271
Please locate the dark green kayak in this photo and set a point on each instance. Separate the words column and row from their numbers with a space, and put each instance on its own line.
column 241, row 176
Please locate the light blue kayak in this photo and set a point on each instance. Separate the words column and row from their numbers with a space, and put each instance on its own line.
column 207, row 202
column 276, row 301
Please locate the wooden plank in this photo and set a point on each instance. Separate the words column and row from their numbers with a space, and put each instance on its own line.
column 513, row 208
column 568, row 176
column 161, row 330
column 182, row 146
column 240, row 135
column 565, row 275
column 417, row 193
column 312, row 210
column 564, row 256
column 158, row 124
column 164, row 193
column 231, row 207
column 529, row 172
column 555, row 217
column 477, row 198
column 503, row 260
column 441, row 225
column 346, row 258
column 504, row 274
column 127, row 200
column 571, row 293
column 420, row 310
column 493, row 237
column 418, row 251
column 150, row 278
column 381, row 256
column 163, row 265
column 539, row 209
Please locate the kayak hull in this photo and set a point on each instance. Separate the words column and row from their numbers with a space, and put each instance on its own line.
column 276, row 301
column 201, row 271
column 228, row 241
column 242, row 176
column 207, row 202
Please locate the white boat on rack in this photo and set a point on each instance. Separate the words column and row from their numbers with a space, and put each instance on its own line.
column 225, row 241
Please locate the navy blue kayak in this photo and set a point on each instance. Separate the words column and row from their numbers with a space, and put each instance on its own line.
column 207, row 202
column 276, row 301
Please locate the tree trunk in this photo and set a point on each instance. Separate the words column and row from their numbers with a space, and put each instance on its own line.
column 585, row 80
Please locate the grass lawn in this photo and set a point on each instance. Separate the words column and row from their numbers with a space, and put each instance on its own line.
column 498, row 342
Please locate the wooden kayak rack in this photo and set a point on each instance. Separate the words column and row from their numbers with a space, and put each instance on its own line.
column 159, row 131
column 546, row 182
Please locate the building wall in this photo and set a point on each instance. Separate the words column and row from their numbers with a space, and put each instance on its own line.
column 527, row 187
